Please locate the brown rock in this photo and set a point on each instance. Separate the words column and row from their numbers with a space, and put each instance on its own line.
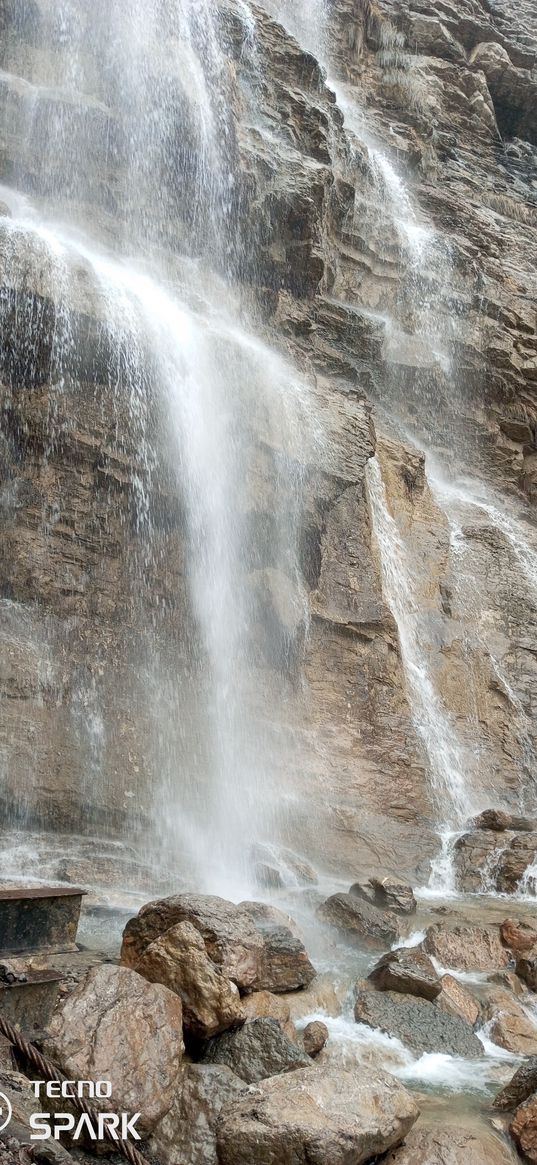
column 265, row 1005
column 518, row 936
column 521, row 1086
column 526, row 969
column 476, row 857
column 178, row 960
column 451, row 1145
column 116, row 1026
column 265, row 916
column 500, row 821
column 457, row 1000
column 407, row 970
column 187, row 1133
column 466, row 948
column 314, row 1038
column 256, row 1051
column 521, row 853
column 284, row 964
column 320, row 995
column 231, row 939
column 395, row 895
column 319, row 1115
column 510, row 981
column 510, row 1026
column 523, row 1129
column 359, row 920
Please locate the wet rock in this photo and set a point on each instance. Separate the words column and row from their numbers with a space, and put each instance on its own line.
column 322, row 994
column 510, row 981
column 514, row 862
column 394, row 894
column 476, row 857
column 265, row 916
column 526, row 969
column 365, row 891
column 115, row 1026
column 518, row 936
column 509, row 1024
column 284, row 964
column 255, row 1051
column 314, row 1038
column 319, row 1115
column 188, row 1131
column 499, row 821
column 407, row 970
column 231, row 939
column 417, row 1023
column 265, row 1005
column 178, row 960
column 291, row 867
column 457, row 1000
column 451, row 1145
column 268, row 877
column 522, row 1085
column 523, row 1129
column 466, row 948
column 359, row 920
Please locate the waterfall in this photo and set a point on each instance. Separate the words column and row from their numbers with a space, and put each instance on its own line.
column 124, row 212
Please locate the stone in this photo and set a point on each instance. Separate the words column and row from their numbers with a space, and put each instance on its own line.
column 232, row 941
column 285, row 964
column 518, row 936
column 267, row 877
column 523, row 1129
column 526, row 969
column 419, row 1024
column 266, row 916
column 476, row 859
column 510, row 981
column 521, row 1086
column 395, row 895
column 407, row 970
column 500, row 821
column 515, row 861
column 322, row 994
column 359, row 920
column 178, row 960
column 451, row 1145
column 265, row 1005
column 116, row 1026
column 314, row 1038
column 318, row 1115
column 187, row 1133
column 255, row 1051
column 457, row 1000
column 509, row 1024
column 466, row 948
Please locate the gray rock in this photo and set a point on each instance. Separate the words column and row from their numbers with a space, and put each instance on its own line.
column 314, row 1038
column 359, row 920
column 521, row 1086
column 256, row 1051
column 526, row 969
column 419, row 1025
column 188, row 1131
column 407, row 970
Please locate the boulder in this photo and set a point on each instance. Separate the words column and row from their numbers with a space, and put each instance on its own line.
column 321, row 995
column 457, row 1000
column 466, row 948
column 231, row 939
column 265, row 916
column 522, row 1085
column 359, row 920
column 318, row 1115
column 526, row 969
column 509, row 1024
column 518, row 936
column 265, row 1005
column 395, row 895
column 255, row 1051
column 407, row 970
column 314, row 1038
column 517, row 857
column 500, row 821
column 178, row 960
column 188, row 1131
column 284, row 964
column 510, row 981
column 523, row 1129
column 476, row 856
column 451, row 1145
column 419, row 1024
column 291, row 867
column 116, row 1026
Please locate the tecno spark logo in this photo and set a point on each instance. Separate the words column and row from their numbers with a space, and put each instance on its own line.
column 6, row 1111
column 100, row 1126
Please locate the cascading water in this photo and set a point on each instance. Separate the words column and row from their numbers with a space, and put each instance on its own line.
column 124, row 196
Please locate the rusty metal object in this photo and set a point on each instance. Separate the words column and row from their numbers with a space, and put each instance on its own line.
column 29, row 1001
column 40, row 919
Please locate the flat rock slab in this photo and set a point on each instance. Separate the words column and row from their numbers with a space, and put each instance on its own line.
column 420, row 1025
column 450, row 1145
column 317, row 1116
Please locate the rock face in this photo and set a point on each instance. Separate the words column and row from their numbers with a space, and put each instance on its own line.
column 409, row 971
column 518, row 937
column 417, row 1023
column 466, row 948
column 359, row 919
column 115, row 1026
column 318, row 1115
column 520, row 1088
column 450, row 1145
column 510, row 1025
column 178, row 960
column 188, row 1132
column 457, row 1000
column 523, row 1129
column 256, row 1051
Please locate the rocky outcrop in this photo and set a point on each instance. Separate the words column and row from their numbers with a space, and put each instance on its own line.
column 317, row 1114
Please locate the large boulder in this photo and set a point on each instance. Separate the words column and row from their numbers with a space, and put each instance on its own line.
column 318, row 1116
column 521, row 1086
column 359, row 920
column 514, row 862
column 256, row 1051
column 518, row 936
column 526, row 969
column 285, row 964
column 178, row 960
column 476, row 856
column 116, row 1026
column 420, row 1025
column 457, row 1000
column 509, row 1024
column 466, row 948
column 188, row 1131
column 395, row 895
column 232, row 941
column 523, row 1129
column 265, row 1005
column 451, row 1145
column 407, row 970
